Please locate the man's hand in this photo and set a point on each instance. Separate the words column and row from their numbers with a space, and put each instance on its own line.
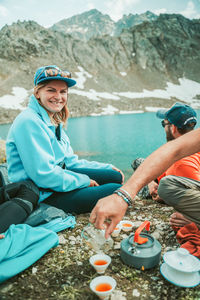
column 153, row 188
column 111, row 208
column 156, row 198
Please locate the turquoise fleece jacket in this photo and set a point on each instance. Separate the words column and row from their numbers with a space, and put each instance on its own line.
column 34, row 152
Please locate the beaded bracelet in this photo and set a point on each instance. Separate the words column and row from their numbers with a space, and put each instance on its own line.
column 126, row 193
column 123, row 197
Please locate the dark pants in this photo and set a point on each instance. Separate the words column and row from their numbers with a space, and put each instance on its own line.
column 17, row 201
column 83, row 200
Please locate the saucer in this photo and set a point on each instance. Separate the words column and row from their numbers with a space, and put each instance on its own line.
column 182, row 279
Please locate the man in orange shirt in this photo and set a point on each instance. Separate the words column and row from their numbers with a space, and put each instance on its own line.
column 186, row 201
column 177, row 120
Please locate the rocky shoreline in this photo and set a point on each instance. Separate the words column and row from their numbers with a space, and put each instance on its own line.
column 2, row 151
column 83, row 106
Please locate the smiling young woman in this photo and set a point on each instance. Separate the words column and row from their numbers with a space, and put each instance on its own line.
column 39, row 149
column 52, row 96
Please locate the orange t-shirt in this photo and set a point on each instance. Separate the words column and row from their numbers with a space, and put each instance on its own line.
column 188, row 166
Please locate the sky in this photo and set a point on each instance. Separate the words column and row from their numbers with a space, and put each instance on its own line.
column 48, row 12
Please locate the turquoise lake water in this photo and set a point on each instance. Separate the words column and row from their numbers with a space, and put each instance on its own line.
column 116, row 139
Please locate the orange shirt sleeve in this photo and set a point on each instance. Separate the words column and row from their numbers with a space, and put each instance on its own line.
column 188, row 171
column 186, row 167
column 161, row 176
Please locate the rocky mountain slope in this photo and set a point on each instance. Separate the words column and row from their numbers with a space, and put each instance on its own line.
column 86, row 25
column 144, row 56
column 93, row 24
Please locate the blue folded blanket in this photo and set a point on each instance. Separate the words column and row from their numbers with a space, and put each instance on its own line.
column 22, row 246
column 59, row 224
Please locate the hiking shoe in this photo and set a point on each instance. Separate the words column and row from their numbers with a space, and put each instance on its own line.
column 144, row 192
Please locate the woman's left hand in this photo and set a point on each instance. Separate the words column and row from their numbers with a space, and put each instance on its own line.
column 93, row 183
column 118, row 170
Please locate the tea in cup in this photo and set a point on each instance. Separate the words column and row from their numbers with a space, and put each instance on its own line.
column 103, row 286
column 100, row 262
column 126, row 225
column 116, row 230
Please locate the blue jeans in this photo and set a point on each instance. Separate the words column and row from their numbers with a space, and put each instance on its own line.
column 83, row 200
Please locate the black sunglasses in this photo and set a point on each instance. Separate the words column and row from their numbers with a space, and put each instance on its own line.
column 164, row 124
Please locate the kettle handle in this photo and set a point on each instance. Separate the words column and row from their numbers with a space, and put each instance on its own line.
column 137, row 238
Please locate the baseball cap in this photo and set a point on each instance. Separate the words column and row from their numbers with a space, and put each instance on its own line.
column 179, row 114
column 53, row 72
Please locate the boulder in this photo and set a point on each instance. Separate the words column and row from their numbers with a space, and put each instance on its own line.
column 2, row 151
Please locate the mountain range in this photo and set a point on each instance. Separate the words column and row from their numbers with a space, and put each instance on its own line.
column 93, row 24
column 137, row 52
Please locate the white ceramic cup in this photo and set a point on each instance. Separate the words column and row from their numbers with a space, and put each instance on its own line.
column 126, row 225
column 103, row 286
column 100, row 262
column 117, row 230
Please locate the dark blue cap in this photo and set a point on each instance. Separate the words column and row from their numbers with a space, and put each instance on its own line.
column 179, row 114
column 52, row 72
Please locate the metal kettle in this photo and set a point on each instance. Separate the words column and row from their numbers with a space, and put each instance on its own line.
column 141, row 250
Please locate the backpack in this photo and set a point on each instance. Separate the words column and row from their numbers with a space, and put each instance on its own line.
column 3, row 175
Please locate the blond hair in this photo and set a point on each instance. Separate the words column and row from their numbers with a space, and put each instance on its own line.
column 58, row 117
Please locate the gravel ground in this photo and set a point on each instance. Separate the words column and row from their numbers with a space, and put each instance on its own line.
column 65, row 273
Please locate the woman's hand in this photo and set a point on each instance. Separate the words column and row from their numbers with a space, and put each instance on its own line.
column 118, row 170
column 93, row 183
column 2, row 236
